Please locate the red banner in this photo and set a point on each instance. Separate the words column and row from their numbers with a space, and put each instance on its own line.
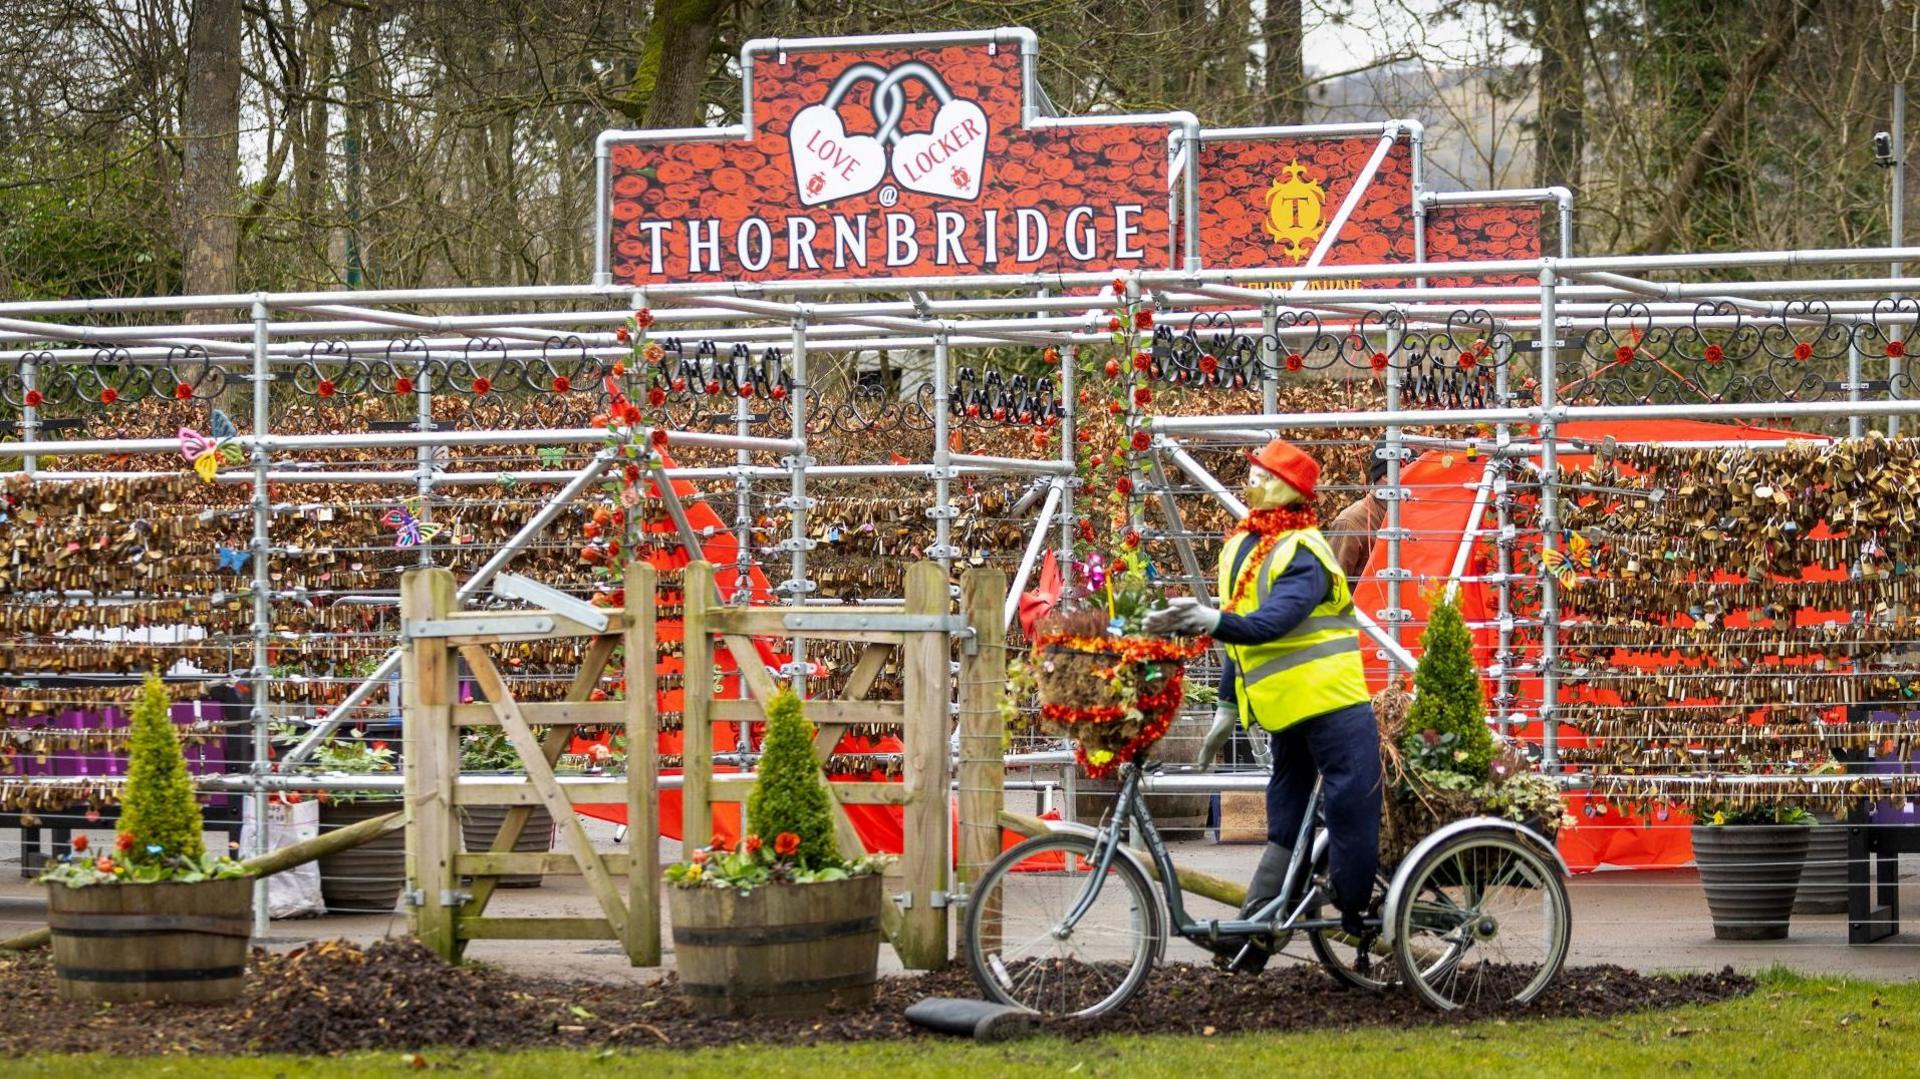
column 1272, row 202
column 890, row 163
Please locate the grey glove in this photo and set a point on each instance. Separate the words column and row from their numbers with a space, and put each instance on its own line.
column 1224, row 720
column 1183, row 617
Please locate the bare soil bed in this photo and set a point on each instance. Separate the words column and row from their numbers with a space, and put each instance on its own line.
column 337, row 997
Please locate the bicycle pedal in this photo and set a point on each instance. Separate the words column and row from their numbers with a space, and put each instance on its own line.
column 1250, row 959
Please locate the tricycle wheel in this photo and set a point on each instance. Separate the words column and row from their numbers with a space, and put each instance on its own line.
column 1483, row 916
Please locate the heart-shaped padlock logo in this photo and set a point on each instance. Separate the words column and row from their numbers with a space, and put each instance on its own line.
column 830, row 164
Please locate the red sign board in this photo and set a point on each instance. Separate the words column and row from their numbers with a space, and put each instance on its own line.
column 890, row 163
column 1272, row 202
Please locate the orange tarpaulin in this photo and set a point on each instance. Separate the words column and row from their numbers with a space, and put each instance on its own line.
column 1435, row 516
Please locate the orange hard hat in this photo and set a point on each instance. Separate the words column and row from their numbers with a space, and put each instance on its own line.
column 1290, row 463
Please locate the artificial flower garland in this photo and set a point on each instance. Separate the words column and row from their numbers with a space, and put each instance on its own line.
column 1270, row 525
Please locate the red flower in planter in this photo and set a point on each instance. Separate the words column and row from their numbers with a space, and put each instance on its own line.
column 123, row 842
column 699, row 857
column 785, row 844
column 104, row 865
column 753, row 844
column 79, row 843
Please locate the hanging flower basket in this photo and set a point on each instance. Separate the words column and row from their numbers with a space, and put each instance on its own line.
column 1114, row 696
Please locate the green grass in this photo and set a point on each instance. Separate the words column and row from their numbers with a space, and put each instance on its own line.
column 1792, row 1026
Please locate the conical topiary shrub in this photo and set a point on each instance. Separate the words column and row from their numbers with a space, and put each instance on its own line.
column 1448, row 699
column 789, row 796
column 158, row 810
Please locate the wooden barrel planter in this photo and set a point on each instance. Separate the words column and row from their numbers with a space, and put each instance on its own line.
column 479, row 824
column 125, row 943
column 1751, row 873
column 1823, row 882
column 366, row 879
column 781, row 949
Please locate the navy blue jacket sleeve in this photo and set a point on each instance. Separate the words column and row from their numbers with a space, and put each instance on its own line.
column 1294, row 595
column 1229, row 693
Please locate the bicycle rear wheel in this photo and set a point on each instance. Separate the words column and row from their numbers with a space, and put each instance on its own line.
column 1018, row 946
column 1483, row 916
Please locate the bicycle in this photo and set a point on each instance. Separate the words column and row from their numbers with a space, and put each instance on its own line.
column 1477, row 911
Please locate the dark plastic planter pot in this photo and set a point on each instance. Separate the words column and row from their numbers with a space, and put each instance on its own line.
column 366, row 879
column 1751, row 873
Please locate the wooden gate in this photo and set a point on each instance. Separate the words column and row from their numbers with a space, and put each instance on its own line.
column 443, row 913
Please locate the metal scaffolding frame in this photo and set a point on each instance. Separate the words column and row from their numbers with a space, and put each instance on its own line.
column 1573, row 296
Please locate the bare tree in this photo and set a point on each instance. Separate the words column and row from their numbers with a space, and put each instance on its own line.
column 210, row 150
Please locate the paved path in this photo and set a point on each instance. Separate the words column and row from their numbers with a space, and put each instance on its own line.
column 1652, row 921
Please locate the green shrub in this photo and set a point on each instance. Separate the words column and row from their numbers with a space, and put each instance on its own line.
column 158, row 808
column 1449, row 710
column 790, row 795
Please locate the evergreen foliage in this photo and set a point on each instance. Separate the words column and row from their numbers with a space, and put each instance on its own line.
column 790, row 795
column 1448, row 700
column 158, row 808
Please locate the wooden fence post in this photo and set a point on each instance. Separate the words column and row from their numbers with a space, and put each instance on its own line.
column 697, row 592
column 983, row 677
column 429, row 687
column 643, row 766
column 922, row 940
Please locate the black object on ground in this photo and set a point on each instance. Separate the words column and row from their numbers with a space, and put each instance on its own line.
column 977, row 1019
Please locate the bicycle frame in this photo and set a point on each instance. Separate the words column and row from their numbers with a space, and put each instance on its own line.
column 1129, row 808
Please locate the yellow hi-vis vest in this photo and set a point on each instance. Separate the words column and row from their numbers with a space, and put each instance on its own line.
column 1311, row 671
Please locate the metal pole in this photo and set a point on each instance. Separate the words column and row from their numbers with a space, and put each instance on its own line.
column 29, row 414
column 1549, row 524
column 742, row 509
column 262, row 607
column 799, row 586
column 424, row 456
column 1499, row 465
column 942, row 510
column 1898, row 222
column 1856, row 425
column 1395, row 614
column 1269, row 359
column 1069, row 408
column 1032, row 553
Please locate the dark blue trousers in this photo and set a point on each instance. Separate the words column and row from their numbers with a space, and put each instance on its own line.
column 1343, row 748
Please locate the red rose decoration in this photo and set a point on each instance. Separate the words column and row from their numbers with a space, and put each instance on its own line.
column 1802, row 351
column 1124, row 485
column 481, row 386
column 1142, row 361
column 679, row 385
column 109, row 395
column 1112, row 368
column 1051, row 357
column 643, row 318
column 1131, row 539
column 631, row 472
column 656, row 397
column 1114, row 408
column 779, row 393
column 746, row 390
column 1209, row 363
column 1896, row 348
column 182, row 391
column 713, row 389
column 1142, row 396
column 659, row 437
column 1467, row 361
column 1295, row 362
column 1623, row 354
column 562, row 384
column 1040, row 440
column 1142, row 440
column 403, row 384
column 785, row 844
column 325, row 388
column 1143, row 320
column 34, row 398
column 1113, row 324
column 1379, row 361
column 621, row 335
column 1715, row 354
column 591, row 555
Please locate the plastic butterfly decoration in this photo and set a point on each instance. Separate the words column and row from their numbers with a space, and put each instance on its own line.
column 233, row 558
column 552, row 456
column 409, row 529
column 206, row 453
column 1566, row 565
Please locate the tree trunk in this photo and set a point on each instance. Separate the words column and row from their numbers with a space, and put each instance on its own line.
column 210, row 152
column 1562, row 35
column 1286, row 97
column 673, row 61
column 1792, row 17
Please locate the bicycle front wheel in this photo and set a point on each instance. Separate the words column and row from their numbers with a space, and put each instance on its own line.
column 1021, row 949
column 1482, row 917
